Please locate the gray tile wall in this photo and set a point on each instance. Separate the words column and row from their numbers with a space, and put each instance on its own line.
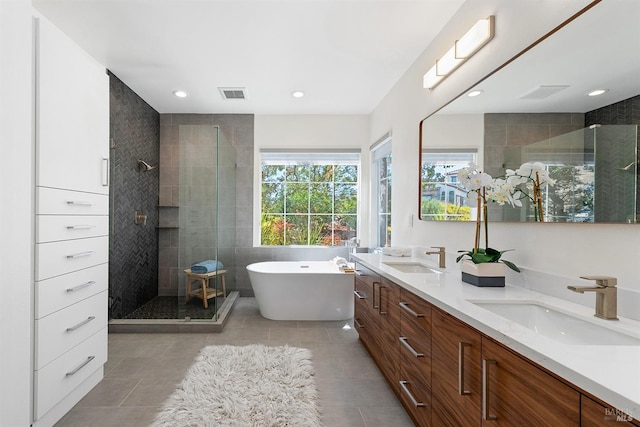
column 609, row 189
column 133, row 249
column 235, row 249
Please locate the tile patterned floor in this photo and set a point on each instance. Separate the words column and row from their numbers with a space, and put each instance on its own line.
column 144, row 369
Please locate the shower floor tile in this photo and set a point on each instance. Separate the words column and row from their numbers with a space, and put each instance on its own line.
column 176, row 308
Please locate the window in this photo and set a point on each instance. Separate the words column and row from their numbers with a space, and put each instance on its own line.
column 382, row 182
column 309, row 198
column 442, row 197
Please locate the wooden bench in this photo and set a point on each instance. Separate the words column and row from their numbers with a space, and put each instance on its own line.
column 203, row 291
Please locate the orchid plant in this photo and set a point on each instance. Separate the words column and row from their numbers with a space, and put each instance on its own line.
column 511, row 188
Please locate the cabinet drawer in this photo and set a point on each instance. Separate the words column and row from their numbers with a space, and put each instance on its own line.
column 56, row 258
column 64, row 329
column 415, row 394
column 62, row 291
column 416, row 311
column 52, row 228
column 60, row 377
column 367, row 276
column 53, row 201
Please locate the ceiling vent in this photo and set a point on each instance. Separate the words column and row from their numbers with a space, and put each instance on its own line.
column 233, row 92
column 543, row 91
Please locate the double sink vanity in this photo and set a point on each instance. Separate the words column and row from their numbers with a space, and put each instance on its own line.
column 459, row 355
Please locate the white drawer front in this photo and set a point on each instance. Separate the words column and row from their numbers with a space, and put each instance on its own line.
column 58, row 378
column 56, row 258
column 62, row 291
column 52, row 228
column 52, row 201
column 64, row 329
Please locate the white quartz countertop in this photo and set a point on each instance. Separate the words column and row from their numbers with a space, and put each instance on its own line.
column 609, row 372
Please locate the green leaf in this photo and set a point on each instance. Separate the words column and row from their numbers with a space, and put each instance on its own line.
column 511, row 265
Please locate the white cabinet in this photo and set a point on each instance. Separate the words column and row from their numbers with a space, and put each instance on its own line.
column 72, row 223
column 73, row 115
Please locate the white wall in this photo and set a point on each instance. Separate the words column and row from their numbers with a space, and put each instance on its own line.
column 567, row 250
column 308, row 132
column 16, row 212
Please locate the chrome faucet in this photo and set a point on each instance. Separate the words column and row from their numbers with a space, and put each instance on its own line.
column 606, row 295
column 441, row 255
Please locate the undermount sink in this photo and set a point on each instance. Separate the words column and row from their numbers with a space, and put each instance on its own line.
column 411, row 267
column 557, row 325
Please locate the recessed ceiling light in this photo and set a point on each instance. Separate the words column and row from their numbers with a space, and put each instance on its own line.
column 297, row 94
column 474, row 93
column 597, row 92
column 180, row 93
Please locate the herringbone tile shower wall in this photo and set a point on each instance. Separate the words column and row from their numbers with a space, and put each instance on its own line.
column 133, row 249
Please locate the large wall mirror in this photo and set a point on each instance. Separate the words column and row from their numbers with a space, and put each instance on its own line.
column 537, row 110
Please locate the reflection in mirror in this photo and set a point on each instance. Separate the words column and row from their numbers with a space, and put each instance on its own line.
column 536, row 109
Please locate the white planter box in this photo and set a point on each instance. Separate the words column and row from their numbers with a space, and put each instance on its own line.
column 487, row 274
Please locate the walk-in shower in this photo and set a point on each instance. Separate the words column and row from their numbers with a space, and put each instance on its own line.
column 195, row 222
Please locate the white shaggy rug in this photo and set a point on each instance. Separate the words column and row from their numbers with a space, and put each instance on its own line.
column 254, row 385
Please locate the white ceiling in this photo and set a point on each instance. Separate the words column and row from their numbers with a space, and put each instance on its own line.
column 344, row 54
column 598, row 50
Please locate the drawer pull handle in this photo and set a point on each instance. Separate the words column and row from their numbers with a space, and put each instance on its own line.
column 79, row 227
column 374, row 295
column 359, row 295
column 404, row 342
column 84, row 285
column 81, row 254
column 405, row 305
column 82, row 365
column 79, row 203
column 485, row 389
column 105, row 171
column 461, row 346
column 403, row 384
column 358, row 324
column 359, row 273
column 79, row 325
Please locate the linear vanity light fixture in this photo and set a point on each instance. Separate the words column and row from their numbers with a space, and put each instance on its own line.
column 462, row 49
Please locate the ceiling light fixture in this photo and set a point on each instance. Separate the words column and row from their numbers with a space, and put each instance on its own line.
column 462, row 49
column 297, row 94
column 180, row 93
column 597, row 92
column 474, row 93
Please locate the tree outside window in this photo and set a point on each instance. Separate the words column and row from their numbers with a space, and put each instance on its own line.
column 309, row 203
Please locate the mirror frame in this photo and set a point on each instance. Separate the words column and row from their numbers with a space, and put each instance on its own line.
column 512, row 59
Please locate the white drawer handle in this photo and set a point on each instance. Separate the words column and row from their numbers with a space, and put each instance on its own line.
column 81, row 254
column 84, row 285
column 403, row 384
column 405, row 306
column 79, row 227
column 79, row 203
column 82, row 365
column 79, row 325
column 357, row 323
column 404, row 342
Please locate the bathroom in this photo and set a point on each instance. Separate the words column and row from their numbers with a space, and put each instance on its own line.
column 400, row 111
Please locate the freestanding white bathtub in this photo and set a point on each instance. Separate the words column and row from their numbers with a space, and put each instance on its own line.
column 302, row 290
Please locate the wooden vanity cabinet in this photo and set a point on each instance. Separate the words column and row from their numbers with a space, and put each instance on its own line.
column 377, row 320
column 516, row 392
column 594, row 414
column 415, row 357
column 456, row 368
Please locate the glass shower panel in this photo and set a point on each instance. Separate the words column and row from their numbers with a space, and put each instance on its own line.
column 616, row 173
column 206, row 220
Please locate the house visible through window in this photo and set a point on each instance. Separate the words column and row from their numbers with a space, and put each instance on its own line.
column 309, row 198
column 442, row 197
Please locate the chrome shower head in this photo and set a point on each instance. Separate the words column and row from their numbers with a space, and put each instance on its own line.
column 144, row 166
